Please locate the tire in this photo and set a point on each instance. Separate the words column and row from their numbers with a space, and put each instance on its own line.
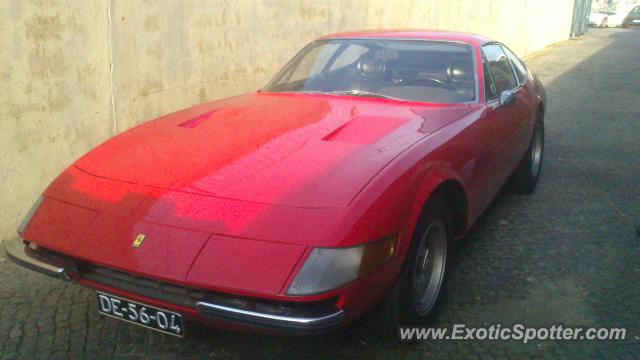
column 526, row 176
column 604, row 23
column 410, row 302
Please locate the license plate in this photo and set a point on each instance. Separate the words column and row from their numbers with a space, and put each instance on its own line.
column 148, row 316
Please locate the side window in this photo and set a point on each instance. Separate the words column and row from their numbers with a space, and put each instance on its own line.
column 518, row 66
column 500, row 67
column 489, row 87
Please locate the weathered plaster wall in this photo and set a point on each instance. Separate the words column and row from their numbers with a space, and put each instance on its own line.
column 169, row 55
column 77, row 72
column 54, row 95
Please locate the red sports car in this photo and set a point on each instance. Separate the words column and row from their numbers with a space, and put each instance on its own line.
column 339, row 187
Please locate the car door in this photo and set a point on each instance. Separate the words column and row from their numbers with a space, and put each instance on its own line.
column 525, row 106
column 507, row 122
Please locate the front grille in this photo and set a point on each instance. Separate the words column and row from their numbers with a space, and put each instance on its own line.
column 189, row 297
column 146, row 287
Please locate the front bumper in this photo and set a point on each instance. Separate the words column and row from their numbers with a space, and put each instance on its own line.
column 40, row 260
column 285, row 317
column 631, row 23
column 304, row 323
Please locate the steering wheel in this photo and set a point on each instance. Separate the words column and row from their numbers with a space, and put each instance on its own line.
column 428, row 82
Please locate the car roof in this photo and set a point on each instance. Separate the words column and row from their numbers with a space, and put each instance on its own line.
column 441, row 35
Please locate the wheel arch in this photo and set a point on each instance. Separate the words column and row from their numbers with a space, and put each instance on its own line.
column 455, row 195
column 448, row 185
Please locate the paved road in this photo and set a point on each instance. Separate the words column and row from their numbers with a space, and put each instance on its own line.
column 567, row 254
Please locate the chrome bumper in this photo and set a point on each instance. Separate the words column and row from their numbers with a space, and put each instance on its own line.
column 302, row 322
column 39, row 260
column 296, row 324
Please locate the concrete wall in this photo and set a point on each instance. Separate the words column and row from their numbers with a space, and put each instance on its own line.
column 75, row 73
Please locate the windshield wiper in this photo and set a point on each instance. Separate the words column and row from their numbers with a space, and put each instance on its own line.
column 345, row 92
column 362, row 93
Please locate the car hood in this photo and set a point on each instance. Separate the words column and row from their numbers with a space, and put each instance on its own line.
column 296, row 150
column 228, row 195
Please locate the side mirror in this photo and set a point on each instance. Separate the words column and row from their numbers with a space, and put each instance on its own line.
column 507, row 98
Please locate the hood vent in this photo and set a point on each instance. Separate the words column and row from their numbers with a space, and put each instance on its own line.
column 197, row 120
column 364, row 130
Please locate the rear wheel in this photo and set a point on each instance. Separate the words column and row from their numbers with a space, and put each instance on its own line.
column 525, row 179
column 415, row 296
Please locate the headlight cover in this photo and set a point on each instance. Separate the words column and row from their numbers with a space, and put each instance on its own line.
column 27, row 218
column 329, row 268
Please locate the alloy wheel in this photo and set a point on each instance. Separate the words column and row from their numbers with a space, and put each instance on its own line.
column 429, row 267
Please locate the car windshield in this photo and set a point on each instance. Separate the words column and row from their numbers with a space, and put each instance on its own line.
column 410, row 70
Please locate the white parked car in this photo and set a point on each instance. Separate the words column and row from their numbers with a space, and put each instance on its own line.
column 606, row 19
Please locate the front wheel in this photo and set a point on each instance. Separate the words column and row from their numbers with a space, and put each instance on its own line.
column 428, row 267
column 525, row 179
column 414, row 297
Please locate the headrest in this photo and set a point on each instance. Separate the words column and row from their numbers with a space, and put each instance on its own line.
column 371, row 66
column 460, row 70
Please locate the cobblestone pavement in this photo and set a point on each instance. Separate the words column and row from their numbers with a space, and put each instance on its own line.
column 567, row 254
